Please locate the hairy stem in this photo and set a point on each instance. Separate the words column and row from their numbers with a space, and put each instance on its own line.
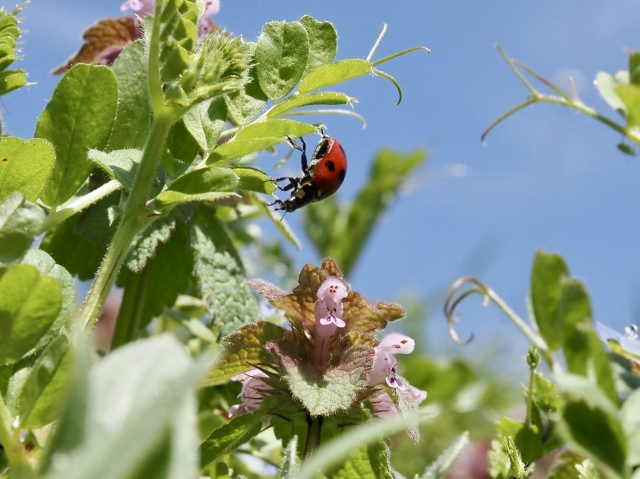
column 135, row 218
column 10, row 439
column 314, row 435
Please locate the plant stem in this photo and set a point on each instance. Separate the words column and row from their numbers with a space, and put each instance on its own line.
column 314, row 435
column 56, row 217
column 16, row 454
column 530, row 397
column 135, row 218
column 131, row 309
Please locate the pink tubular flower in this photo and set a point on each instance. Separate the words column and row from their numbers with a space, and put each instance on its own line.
column 142, row 8
column 385, row 365
column 251, row 393
column 328, row 310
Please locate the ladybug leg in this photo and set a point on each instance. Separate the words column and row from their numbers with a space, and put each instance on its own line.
column 303, row 149
column 293, row 183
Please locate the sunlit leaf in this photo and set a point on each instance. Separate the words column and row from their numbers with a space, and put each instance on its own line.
column 205, row 122
column 198, row 185
column 323, row 42
column 25, row 166
column 20, row 223
column 297, row 101
column 327, row 75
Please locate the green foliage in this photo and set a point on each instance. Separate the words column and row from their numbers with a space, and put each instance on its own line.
column 199, row 185
column 25, row 166
column 438, row 469
column 9, row 33
column 20, row 222
column 79, row 116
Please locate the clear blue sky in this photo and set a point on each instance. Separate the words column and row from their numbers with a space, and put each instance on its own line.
column 547, row 178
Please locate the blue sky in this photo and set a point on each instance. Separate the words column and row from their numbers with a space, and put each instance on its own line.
column 547, row 178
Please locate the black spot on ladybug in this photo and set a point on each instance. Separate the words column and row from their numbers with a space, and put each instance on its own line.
column 342, row 174
column 330, row 165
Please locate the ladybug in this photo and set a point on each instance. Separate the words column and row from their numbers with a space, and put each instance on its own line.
column 320, row 179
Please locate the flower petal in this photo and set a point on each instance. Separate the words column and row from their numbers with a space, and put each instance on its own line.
column 332, row 291
column 397, row 343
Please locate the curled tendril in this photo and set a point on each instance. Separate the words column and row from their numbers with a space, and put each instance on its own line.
column 455, row 296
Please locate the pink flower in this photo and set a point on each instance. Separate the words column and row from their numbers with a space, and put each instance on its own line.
column 142, row 8
column 252, row 392
column 328, row 308
column 385, row 365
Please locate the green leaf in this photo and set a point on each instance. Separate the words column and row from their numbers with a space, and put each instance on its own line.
column 546, row 394
column 199, row 185
column 245, row 104
column 634, row 68
column 274, row 128
column 180, row 148
column 48, row 384
column 25, row 166
column 365, row 462
column 46, row 265
column 630, row 419
column 12, row 80
column 438, row 469
column 574, row 315
column 133, row 114
column 144, row 245
column 228, row 437
column 233, row 150
column 135, row 425
column 122, row 165
column 323, row 394
column 278, row 221
column 323, row 42
column 590, row 425
column 630, row 96
column 281, row 54
column 221, row 275
column 253, row 179
column 79, row 116
column 29, row 304
column 549, row 272
column 334, row 73
column 298, row 101
column 205, row 121
column 20, row 223
column 528, row 439
column 243, row 349
column 607, row 85
column 602, row 367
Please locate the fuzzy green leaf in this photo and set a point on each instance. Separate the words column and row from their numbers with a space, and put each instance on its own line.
column 282, row 54
column 298, row 101
column 324, row 394
column 245, row 104
column 199, row 185
column 438, row 468
column 46, row 265
column 29, row 304
column 243, row 349
column 274, row 128
column 630, row 419
column 12, row 80
column 607, row 85
column 79, row 116
column 323, row 42
column 144, row 245
column 365, row 462
column 547, row 277
column 9, row 33
column 234, row 149
column 253, row 179
column 228, row 437
column 205, row 122
column 25, row 166
column 47, row 386
column 221, row 275
column 135, row 425
column 334, row 73
column 181, row 149
column 289, row 466
column 133, row 114
column 20, row 223
column 528, row 439
column 122, row 165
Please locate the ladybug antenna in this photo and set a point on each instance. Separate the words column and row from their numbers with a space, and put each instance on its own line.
column 322, row 131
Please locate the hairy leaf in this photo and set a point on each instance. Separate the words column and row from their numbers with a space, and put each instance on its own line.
column 253, row 179
column 205, row 122
column 199, row 185
column 245, row 104
column 323, row 42
column 25, row 166
column 20, row 222
column 79, row 116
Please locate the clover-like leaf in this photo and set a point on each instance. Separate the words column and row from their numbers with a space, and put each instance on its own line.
column 282, row 54
column 25, row 166
column 323, row 42
column 243, row 350
column 324, row 393
column 334, row 73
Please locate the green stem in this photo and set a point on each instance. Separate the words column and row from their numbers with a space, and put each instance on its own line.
column 399, row 54
column 135, row 218
column 56, row 217
column 314, row 435
column 530, row 397
column 16, row 454
column 131, row 309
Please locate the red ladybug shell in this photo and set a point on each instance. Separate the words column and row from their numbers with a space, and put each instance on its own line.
column 329, row 170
